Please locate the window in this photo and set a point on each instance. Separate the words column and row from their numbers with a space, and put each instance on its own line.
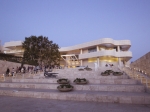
column 92, row 50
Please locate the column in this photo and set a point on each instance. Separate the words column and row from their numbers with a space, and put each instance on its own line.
column 80, row 51
column 97, row 47
column 119, row 62
column 118, row 48
column 97, row 62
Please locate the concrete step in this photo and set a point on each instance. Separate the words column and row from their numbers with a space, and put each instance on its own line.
column 94, row 96
column 88, row 87
column 91, row 81
column 95, row 76
column 73, row 76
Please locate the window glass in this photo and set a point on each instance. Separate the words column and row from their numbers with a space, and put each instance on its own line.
column 92, row 50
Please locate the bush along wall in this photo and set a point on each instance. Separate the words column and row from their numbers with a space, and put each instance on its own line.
column 11, row 58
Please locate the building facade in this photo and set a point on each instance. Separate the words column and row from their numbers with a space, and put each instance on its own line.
column 95, row 53
column 13, row 48
column 142, row 64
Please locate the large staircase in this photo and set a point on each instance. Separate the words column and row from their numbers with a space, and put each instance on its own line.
column 115, row 89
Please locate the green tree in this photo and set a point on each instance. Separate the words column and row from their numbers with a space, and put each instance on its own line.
column 39, row 50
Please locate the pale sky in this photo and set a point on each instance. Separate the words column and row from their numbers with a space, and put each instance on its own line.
column 71, row 22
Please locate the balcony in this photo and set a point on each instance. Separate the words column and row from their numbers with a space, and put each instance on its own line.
column 106, row 53
column 103, row 41
column 13, row 51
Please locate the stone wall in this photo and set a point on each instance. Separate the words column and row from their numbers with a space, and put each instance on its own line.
column 142, row 63
column 6, row 64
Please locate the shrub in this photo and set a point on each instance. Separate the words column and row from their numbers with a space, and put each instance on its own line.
column 117, row 73
column 80, row 81
column 88, row 69
column 105, row 73
column 81, row 69
column 109, row 71
column 65, row 87
column 63, row 81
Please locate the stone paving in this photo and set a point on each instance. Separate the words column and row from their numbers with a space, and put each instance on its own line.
column 40, row 95
column 117, row 89
column 18, row 104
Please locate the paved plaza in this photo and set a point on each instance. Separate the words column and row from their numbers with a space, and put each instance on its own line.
column 19, row 104
column 39, row 94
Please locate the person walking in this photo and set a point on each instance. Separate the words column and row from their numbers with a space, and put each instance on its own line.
column 7, row 72
column 17, row 70
column 13, row 71
column 22, row 70
column 35, row 70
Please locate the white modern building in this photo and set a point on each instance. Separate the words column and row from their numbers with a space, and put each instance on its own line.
column 99, row 52
column 13, row 48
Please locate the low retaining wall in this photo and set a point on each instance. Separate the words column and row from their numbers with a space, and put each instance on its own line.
column 6, row 64
column 142, row 63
